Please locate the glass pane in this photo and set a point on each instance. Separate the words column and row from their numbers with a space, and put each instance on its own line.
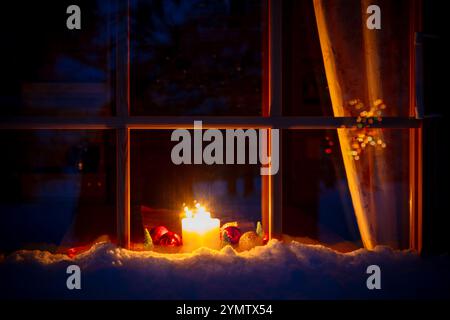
column 377, row 169
column 159, row 188
column 347, row 187
column 50, row 70
column 367, row 69
column 196, row 57
column 57, row 189
column 317, row 205
column 305, row 88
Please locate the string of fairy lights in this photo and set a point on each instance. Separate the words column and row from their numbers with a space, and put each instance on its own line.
column 364, row 135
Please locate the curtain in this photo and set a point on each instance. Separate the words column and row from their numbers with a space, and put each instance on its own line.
column 368, row 78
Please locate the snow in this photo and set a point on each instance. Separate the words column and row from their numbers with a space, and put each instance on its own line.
column 275, row 271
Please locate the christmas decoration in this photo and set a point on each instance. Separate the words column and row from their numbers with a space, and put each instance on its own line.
column 259, row 229
column 249, row 240
column 170, row 239
column 364, row 135
column 265, row 239
column 328, row 145
column 148, row 242
column 229, row 224
column 230, row 235
column 260, row 232
column 157, row 232
column 73, row 252
column 199, row 229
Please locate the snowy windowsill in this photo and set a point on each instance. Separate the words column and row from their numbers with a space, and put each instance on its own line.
column 275, row 271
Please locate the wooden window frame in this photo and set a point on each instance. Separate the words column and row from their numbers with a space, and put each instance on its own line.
column 271, row 198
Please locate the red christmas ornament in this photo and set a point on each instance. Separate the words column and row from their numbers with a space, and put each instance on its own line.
column 265, row 238
column 157, row 232
column 231, row 234
column 73, row 252
column 170, row 239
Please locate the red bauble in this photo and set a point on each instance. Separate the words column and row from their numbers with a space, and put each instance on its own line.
column 157, row 232
column 231, row 235
column 265, row 238
column 73, row 252
column 170, row 239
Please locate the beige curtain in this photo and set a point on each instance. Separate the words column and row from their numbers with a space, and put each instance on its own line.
column 368, row 77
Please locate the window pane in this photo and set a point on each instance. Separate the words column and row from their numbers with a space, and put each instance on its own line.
column 336, row 196
column 305, row 88
column 57, row 188
column 377, row 168
column 159, row 188
column 367, row 69
column 50, row 70
column 317, row 202
column 196, row 57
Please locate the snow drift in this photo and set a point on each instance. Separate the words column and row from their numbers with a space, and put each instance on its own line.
column 275, row 271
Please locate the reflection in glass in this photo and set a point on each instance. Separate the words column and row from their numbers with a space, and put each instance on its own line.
column 305, row 88
column 49, row 70
column 57, row 189
column 368, row 76
column 196, row 57
column 323, row 199
column 317, row 204
column 159, row 188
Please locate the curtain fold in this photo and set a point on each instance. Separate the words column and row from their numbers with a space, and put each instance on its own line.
column 368, row 78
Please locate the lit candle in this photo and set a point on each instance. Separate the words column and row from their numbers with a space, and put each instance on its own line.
column 200, row 230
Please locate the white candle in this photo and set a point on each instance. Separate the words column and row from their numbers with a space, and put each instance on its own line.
column 200, row 230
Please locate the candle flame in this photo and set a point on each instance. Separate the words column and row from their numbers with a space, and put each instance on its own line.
column 188, row 212
column 198, row 219
column 199, row 212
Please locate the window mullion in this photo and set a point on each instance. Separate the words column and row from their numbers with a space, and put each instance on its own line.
column 275, row 182
column 122, row 131
column 100, row 123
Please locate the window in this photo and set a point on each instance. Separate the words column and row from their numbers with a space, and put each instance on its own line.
column 57, row 188
column 142, row 68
